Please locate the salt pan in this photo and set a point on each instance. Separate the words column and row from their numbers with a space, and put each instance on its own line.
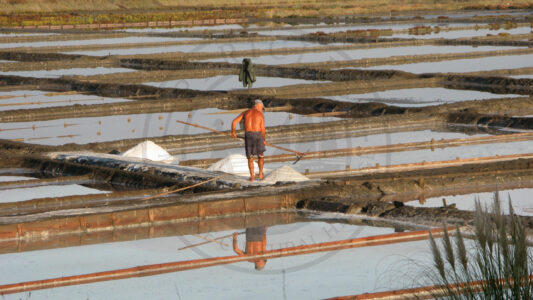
column 234, row 164
column 284, row 173
column 149, row 150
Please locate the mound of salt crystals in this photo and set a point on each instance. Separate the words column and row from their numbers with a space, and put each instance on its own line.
column 284, row 173
column 234, row 164
column 149, row 150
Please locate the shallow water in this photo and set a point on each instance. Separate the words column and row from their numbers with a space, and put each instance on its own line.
column 307, row 276
column 228, row 82
column 528, row 76
column 393, row 158
column 194, row 48
column 23, row 194
column 67, row 72
column 342, row 55
column 464, row 65
column 27, row 99
column 108, row 128
column 15, row 178
column 455, row 34
column 7, row 61
column 419, row 97
column 521, row 199
column 341, row 143
column 109, row 41
column 333, row 29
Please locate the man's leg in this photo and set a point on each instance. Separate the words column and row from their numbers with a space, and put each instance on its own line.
column 261, row 162
column 251, row 167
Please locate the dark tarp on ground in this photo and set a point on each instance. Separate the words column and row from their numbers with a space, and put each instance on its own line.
column 247, row 75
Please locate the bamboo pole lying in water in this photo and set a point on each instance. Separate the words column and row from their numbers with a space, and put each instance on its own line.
column 155, row 269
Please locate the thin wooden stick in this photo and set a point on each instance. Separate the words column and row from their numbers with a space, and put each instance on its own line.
column 211, row 240
column 203, row 243
column 299, row 154
column 185, row 188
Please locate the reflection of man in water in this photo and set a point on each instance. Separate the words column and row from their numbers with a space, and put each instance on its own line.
column 255, row 244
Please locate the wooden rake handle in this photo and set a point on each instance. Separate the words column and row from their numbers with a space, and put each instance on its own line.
column 299, row 154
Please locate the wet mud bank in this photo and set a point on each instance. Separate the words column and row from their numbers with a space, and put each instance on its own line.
column 494, row 121
column 99, row 174
column 137, row 91
column 358, row 195
column 397, row 211
column 496, row 85
column 27, row 56
column 270, row 71
column 416, row 183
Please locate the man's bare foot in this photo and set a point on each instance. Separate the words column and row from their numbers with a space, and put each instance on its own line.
column 252, row 178
column 261, row 176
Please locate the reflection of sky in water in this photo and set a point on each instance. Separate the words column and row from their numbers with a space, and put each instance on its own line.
column 464, row 65
column 67, row 72
column 317, row 275
column 7, row 61
column 228, row 82
column 108, row 128
column 23, row 194
column 341, row 55
column 341, row 143
column 522, row 200
column 527, row 76
column 332, row 29
column 26, row 99
column 462, row 33
column 363, row 161
column 419, row 96
column 214, row 47
column 370, row 160
column 109, row 41
column 15, row 178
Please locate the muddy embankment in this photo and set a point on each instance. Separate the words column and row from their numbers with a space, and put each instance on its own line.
column 496, row 85
column 269, row 71
column 494, row 121
column 358, row 195
column 26, row 56
column 398, row 212
column 381, row 195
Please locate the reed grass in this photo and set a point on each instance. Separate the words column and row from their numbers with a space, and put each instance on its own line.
column 499, row 259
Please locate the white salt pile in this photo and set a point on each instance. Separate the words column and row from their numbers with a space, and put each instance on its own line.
column 235, row 164
column 284, row 173
column 149, row 150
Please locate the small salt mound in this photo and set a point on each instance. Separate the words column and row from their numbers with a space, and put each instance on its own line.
column 235, row 164
column 148, row 150
column 284, row 173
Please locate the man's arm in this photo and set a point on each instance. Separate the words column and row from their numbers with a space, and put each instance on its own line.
column 234, row 125
column 235, row 247
column 263, row 130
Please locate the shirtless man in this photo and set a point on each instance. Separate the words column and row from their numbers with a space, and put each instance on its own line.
column 254, row 136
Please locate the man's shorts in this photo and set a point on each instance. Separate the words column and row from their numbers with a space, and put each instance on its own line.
column 253, row 143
